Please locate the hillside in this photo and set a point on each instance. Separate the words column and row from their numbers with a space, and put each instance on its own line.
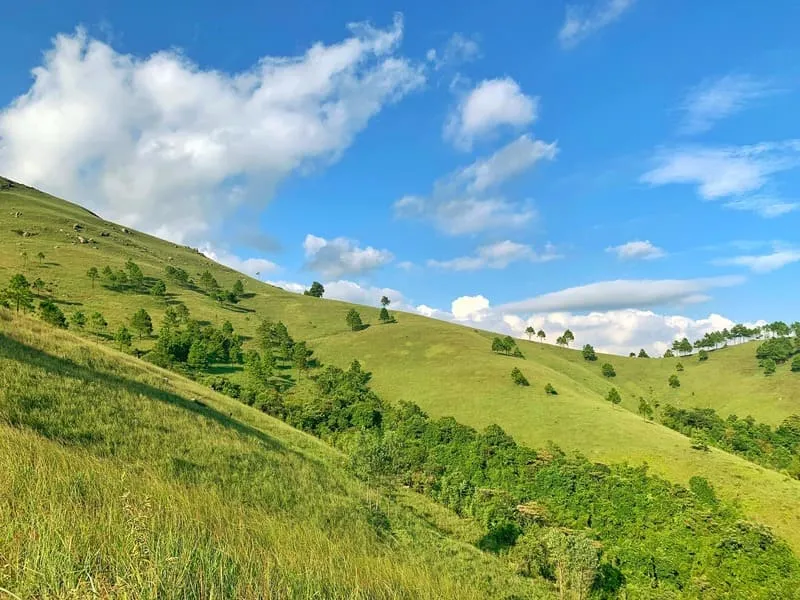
column 121, row 479
column 445, row 368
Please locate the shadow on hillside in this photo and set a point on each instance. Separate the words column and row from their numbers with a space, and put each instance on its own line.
column 14, row 350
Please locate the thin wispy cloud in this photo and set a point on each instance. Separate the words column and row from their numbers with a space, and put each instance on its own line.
column 763, row 263
column 582, row 21
column 498, row 256
column 717, row 99
column 637, row 250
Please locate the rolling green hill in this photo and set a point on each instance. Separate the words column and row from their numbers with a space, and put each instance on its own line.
column 119, row 479
column 445, row 368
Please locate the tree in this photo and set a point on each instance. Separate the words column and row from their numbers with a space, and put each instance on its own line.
column 530, row 331
column 679, row 367
column 40, row 256
column 561, row 341
column 550, row 390
column 316, row 290
column 613, row 396
column 574, row 561
column 198, row 355
column 238, row 288
column 385, row 301
column 384, row 315
column 702, row 355
column 674, row 382
column 769, row 366
column 300, row 356
column 608, row 370
column 135, row 275
column 78, row 319
column 38, row 285
column 123, row 337
column 541, row 335
column 208, row 281
column 353, row 319
column 669, row 354
column 142, row 323
column 568, row 337
column 93, row 275
column 19, row 292
column 97, row 321
column 518, row 378
column 645, row 409
column 159, row 289
column 796, row 364
column 588, row 353
column 643, row 354
column 632, row 355
column 497, row 345
column 51, row 314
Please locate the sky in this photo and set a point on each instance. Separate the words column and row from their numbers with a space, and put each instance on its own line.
column 629, row 169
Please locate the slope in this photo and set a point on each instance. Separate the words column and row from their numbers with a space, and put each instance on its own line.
column 120, row 479
column 445, row 368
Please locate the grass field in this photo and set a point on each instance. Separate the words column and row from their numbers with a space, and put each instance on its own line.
column 116, row 481
column 445, row 368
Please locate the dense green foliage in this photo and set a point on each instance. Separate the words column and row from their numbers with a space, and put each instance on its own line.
column 51, row 314
column 654, row 535
column 353, row 320
column 777, row 448
column 608, row 370
column 589, row 353
column 316, row 290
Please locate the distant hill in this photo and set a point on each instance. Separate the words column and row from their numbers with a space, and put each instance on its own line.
column 449, row 370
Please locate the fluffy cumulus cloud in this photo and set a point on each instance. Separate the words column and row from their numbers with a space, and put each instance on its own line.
column 763, row 263
column 736, row 175
column 720, row 98
column 469, row 199
column 497, row 256
column 493, row 104
column 637, row 250
column 582, row 21
column 341, row 256
column 255, row 267
column 623, row 293
column 164, row 145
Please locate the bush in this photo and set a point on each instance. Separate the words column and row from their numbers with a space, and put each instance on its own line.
column 613, row 396
column 674, row 382
column 550, row 390
column 679, row 367
column 518, row 378
column 702, row 355
column 796, row 364
column 51, row 314
column 588, row 353
column 608, row 370
column 769, row 366
column 776, row 349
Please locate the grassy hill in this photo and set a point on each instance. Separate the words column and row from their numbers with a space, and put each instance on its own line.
column 120, row 479
column 445, row 368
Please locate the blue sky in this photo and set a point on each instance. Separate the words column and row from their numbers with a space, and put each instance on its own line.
column 626, row 168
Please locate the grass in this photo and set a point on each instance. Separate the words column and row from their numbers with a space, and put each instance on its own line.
column 445, row 368
column 120, row 479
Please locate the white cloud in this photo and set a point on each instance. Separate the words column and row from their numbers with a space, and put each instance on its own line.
column 250, row 266
column 637, row 250
column 497, row 256
column 164, row 145
column 763, row 263
column 621, row 293
column 340, row 256
column 737, row 172
column 764, row 206
column 612, row 331
column 717, row 99
column 466, row 200
column 582, row 21
column 493, row 104
column 458, row 49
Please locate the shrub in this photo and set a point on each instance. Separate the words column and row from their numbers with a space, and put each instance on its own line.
column 679, row 367
column 353, row 320
column 78, row 319
column 702, row 355
column 613, row 396
column 674, row 382
column 608, row 370
column 51, row 314
column 550, row 390
column 518, row 378
column 776, row 349
column 769, row 366
column 796, row 364
column 588, row 353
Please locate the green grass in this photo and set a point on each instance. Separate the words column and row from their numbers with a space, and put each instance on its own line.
column 445, row 368
column 120, row 479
